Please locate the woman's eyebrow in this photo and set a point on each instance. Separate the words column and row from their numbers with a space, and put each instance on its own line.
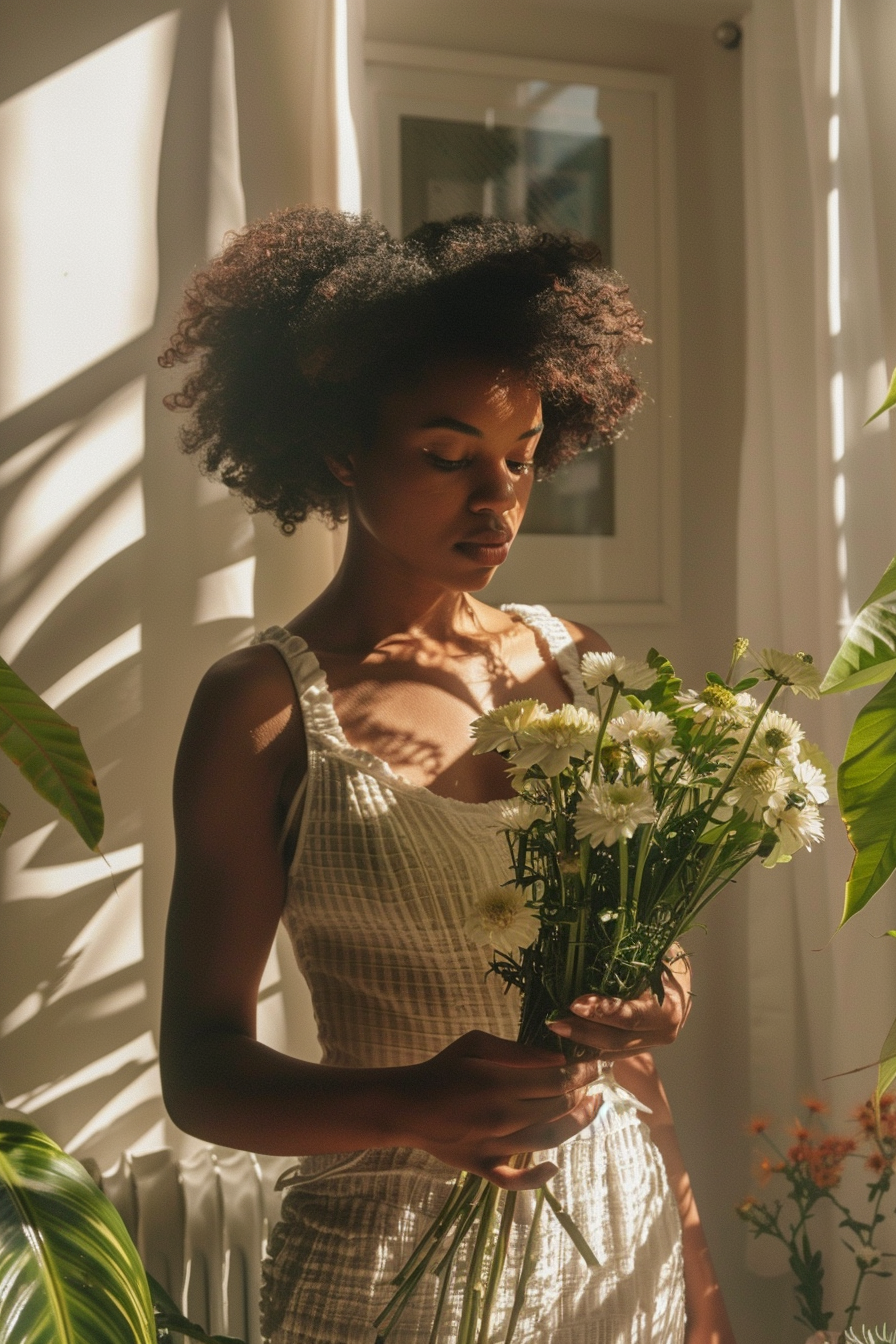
column 461, row 427
column 448, row 422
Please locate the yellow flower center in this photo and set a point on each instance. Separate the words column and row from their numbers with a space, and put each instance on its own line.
column 720, row 697
column 758, row 776
column 498, row 911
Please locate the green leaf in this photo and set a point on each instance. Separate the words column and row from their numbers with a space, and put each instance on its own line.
column 886, row 1070
column 68, row 1269
column 888, row 401
column 170, row 1317
column 868, row 653
column 49, row 754
column 866, row 788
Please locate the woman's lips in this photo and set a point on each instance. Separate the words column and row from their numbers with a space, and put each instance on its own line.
column 490, row 552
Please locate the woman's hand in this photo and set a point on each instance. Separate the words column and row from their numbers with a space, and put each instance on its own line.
column 483, row 1100
column 617, row 1028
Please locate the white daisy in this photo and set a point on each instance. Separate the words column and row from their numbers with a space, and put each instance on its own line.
column 777, row 738
column 719, row 703
column 554, row 739
column 498, row 729
column 810, row 751
column 648, row 733
column 600, row 668
column 757, row 786
column 795, row 828
column 500, row 919
column 795, row 670
column 518, row 814
column 810, row 781
column 609, row 811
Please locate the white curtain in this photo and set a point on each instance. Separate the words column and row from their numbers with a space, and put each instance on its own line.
column 817, row 525
column 302, row 63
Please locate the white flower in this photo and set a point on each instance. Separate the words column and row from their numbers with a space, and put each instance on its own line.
column 809, row 751
column 795, row 828
column 554, row 739
column 648, row 733
column 810, row 781
column 757, row 786
column 777, row 738
column 518, row 814
column 500, row 919
column 795, row 670
column 498, row 729
column 719, row 703
column 599, row 668
column 609, row 811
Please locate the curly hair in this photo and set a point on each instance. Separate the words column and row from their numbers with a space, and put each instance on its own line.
column 307, row 318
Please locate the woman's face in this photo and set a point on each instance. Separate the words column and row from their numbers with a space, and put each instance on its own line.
column 444, row 485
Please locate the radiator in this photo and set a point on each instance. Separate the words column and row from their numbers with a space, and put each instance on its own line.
column 201, row 1226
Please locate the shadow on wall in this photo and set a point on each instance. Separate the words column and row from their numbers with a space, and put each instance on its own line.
column 123, row 575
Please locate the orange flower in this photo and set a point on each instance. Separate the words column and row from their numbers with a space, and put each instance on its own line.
column 826, row 1161
column 799, row 1153
column 887, row 1102
column 759, row 1124
column 767, row 1169
column 799, row 1131
column 864, row 1115
column 814, row 1105
column 877, row 1162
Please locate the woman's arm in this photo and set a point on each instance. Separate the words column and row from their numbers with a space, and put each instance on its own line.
column 474, row 1105
column 707, row 1319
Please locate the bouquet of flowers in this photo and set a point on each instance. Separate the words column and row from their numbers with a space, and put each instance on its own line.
column 631, row 814
column 811, row 1168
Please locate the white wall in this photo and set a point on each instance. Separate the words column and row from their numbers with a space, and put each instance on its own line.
column 131, row 734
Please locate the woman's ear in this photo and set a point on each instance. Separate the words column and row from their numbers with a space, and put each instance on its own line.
column 343, row 468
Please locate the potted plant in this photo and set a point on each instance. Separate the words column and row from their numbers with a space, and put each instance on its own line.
column 68, row 1267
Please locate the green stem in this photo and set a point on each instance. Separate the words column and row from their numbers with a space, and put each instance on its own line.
column 605, row 719
column 570, row 1228
column 496, row 1268
column 643, row 849
column 469, row 1320
column 526, row 1268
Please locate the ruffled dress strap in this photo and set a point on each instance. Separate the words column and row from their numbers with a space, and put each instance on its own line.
column 560, row 644
column 322, row 727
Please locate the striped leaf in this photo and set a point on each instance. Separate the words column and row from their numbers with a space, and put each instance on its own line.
column 69, row 1272
column 49, row 754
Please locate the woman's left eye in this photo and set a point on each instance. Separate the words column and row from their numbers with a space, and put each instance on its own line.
column 520, row 468
column 448, row 463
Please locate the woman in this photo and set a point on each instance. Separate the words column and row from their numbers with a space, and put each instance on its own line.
column 326, row 778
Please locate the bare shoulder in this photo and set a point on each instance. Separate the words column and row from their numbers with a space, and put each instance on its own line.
column 245, row 707
column 586, row 639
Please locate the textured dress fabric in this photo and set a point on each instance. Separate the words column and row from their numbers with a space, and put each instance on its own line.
column 379, row 887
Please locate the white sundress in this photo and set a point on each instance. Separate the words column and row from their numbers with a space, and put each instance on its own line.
column 378, row 890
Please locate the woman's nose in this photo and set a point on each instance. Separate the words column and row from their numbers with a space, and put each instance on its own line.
column 495, row 490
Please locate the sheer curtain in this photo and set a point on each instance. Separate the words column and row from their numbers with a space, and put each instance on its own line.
column 300, row 81
column 817, row 521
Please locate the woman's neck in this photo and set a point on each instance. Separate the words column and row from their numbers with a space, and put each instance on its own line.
column 375, row 596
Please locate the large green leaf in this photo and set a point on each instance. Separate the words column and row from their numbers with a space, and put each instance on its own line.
column 866, row 788
column 868, row 653
column 888, row 402
column 886, row 1069
column 49, row 754
column 69, row 1272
